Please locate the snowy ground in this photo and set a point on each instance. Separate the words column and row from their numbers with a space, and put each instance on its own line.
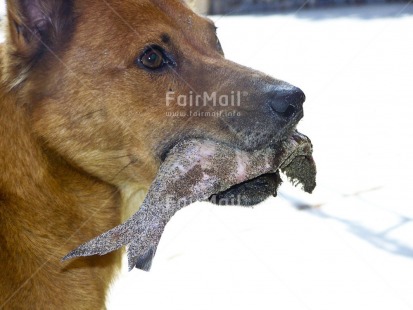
column 352, row 246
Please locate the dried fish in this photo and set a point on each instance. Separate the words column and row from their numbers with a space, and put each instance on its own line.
column 195, row 170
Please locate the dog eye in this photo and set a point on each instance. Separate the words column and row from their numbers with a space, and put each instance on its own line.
column 153, row 58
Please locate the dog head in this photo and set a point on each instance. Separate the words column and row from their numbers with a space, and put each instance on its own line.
column 111, row 86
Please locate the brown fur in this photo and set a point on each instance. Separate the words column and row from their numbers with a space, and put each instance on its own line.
column 82, row 131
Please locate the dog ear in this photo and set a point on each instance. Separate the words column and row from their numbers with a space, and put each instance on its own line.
column 38, row 25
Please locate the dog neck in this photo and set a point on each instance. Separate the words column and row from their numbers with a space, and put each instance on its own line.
column 22, row 165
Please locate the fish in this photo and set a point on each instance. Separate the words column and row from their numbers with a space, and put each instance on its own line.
column 196, row 170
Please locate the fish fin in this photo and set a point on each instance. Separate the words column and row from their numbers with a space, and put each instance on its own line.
column 143, row 261
column 105, row 243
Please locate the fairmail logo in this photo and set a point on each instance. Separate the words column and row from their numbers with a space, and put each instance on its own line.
column 232, row 99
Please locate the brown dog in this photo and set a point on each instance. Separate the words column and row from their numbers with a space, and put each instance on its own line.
column 86, row 117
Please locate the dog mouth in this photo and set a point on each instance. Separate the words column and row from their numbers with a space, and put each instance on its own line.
column 296, row 162
column 292, row 157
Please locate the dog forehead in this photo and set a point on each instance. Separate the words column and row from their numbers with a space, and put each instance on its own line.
column 127, row 26
column 138, row 14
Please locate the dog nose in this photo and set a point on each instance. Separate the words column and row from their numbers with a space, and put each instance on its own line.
column 287, row 100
